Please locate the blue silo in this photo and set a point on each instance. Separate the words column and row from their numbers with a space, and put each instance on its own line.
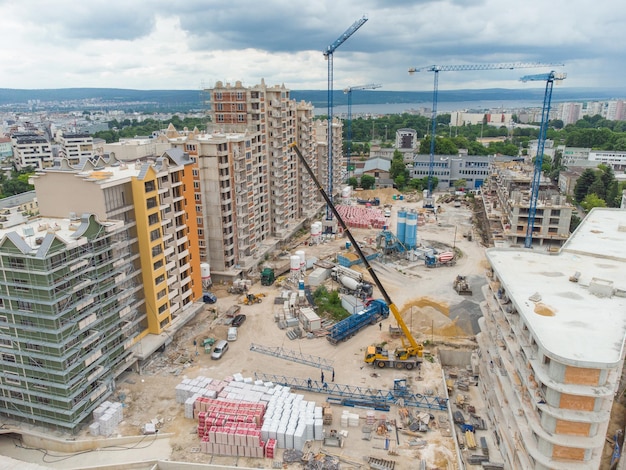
column 401, row 225
column 410, row 233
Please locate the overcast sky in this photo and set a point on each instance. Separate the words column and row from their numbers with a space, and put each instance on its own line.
column 169, row 44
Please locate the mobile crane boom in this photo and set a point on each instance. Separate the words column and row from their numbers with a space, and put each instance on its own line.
column 414, row 348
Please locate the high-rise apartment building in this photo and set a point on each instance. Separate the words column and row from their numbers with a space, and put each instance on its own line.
column 155, row 199
column 89, row 291
column 552, row 346
column 68, row 304
column 254, row 193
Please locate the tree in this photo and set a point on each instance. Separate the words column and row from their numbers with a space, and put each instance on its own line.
column 352, row 181
column 368, row 182
column 460, row 184
column 585, row 180
column 592, row 200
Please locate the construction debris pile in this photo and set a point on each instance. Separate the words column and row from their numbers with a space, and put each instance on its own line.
column 242, row 417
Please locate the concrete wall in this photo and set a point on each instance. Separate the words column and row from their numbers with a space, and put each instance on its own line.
column 455, row 358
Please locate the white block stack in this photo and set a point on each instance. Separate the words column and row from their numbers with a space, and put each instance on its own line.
column 106, row 418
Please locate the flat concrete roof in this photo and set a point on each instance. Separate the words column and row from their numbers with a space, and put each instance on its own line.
column 570, row 321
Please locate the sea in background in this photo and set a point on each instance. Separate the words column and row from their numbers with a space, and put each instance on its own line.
column 500, row 106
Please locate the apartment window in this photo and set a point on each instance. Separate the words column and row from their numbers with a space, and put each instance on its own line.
column 151, row 203
column 196, row 185
column 195, row 172
column 199, row 221
column 240, row 107
column 159, row 279
column 197, row 197
column 157, row 250
column 3, row 322
column 163, row 308
column 155, row 234
column 8, row 357
column 33, row 347
column 241, row 118
column 17, row 263
column 239, row 96
column 149, row 186
column 220, row 118
column 162, row 293
column 153, row 219
column 157, row 265
column 6, row 343
column 198, row 209
column 21, row 285
column 23, row 305
column 12, row 378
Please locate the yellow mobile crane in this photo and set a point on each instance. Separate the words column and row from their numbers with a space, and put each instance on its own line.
column 409, row 355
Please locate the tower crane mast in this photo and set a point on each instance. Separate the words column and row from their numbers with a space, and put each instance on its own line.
column 429, row 201
column 328, row 54
column 349, row 91
column 549, row 78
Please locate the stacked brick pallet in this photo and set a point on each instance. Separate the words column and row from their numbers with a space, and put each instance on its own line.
column 230, row 428
column 361, row 217
column 251, row 419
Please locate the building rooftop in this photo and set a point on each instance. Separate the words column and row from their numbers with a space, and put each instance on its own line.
column 37, row 235
column 582, row 322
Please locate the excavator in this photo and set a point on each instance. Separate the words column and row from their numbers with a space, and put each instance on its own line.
column 411, row 353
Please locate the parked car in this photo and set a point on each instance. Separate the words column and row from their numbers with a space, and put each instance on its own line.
column 220, row 349
column 209, row 298
column 238, row 320
column 232, row 334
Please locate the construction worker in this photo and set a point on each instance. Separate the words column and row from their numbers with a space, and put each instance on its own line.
column 309, row 383
column 380, row 326
column 333, row 377
column 322, row 376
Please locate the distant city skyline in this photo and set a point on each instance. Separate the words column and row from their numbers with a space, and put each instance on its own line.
column 163, row 45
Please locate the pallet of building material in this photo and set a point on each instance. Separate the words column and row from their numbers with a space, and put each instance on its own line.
column 478, row 422
column 476, row 459
column 327, row 414
column 462, row 385
column 470, row 440
column 483, row 445
column 376, row 463
column 492, row 466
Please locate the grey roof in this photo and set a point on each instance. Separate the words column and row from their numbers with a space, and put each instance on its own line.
column 17, row 200
column 377, row 164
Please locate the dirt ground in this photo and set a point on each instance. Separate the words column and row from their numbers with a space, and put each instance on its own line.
column 431, row 308
column 429, row 305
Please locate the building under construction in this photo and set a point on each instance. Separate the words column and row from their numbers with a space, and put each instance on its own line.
column 506, row 197
column 552, row 345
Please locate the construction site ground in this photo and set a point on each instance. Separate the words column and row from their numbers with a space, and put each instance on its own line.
column 436, row 314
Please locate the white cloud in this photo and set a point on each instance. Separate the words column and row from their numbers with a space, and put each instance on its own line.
column 159, row 45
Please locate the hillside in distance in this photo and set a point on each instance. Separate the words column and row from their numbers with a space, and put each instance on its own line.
column 181, row 100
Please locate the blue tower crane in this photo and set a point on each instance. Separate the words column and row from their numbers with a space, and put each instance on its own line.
column 328, row 54
column 549, row 78
column 429, row 201
column 349, row 91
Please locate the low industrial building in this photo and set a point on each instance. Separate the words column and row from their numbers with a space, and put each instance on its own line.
column 552, row 345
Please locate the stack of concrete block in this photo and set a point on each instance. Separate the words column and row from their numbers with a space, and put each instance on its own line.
column 247, row 414
column 106, row 418
column 349, row 419
column 200, row 386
